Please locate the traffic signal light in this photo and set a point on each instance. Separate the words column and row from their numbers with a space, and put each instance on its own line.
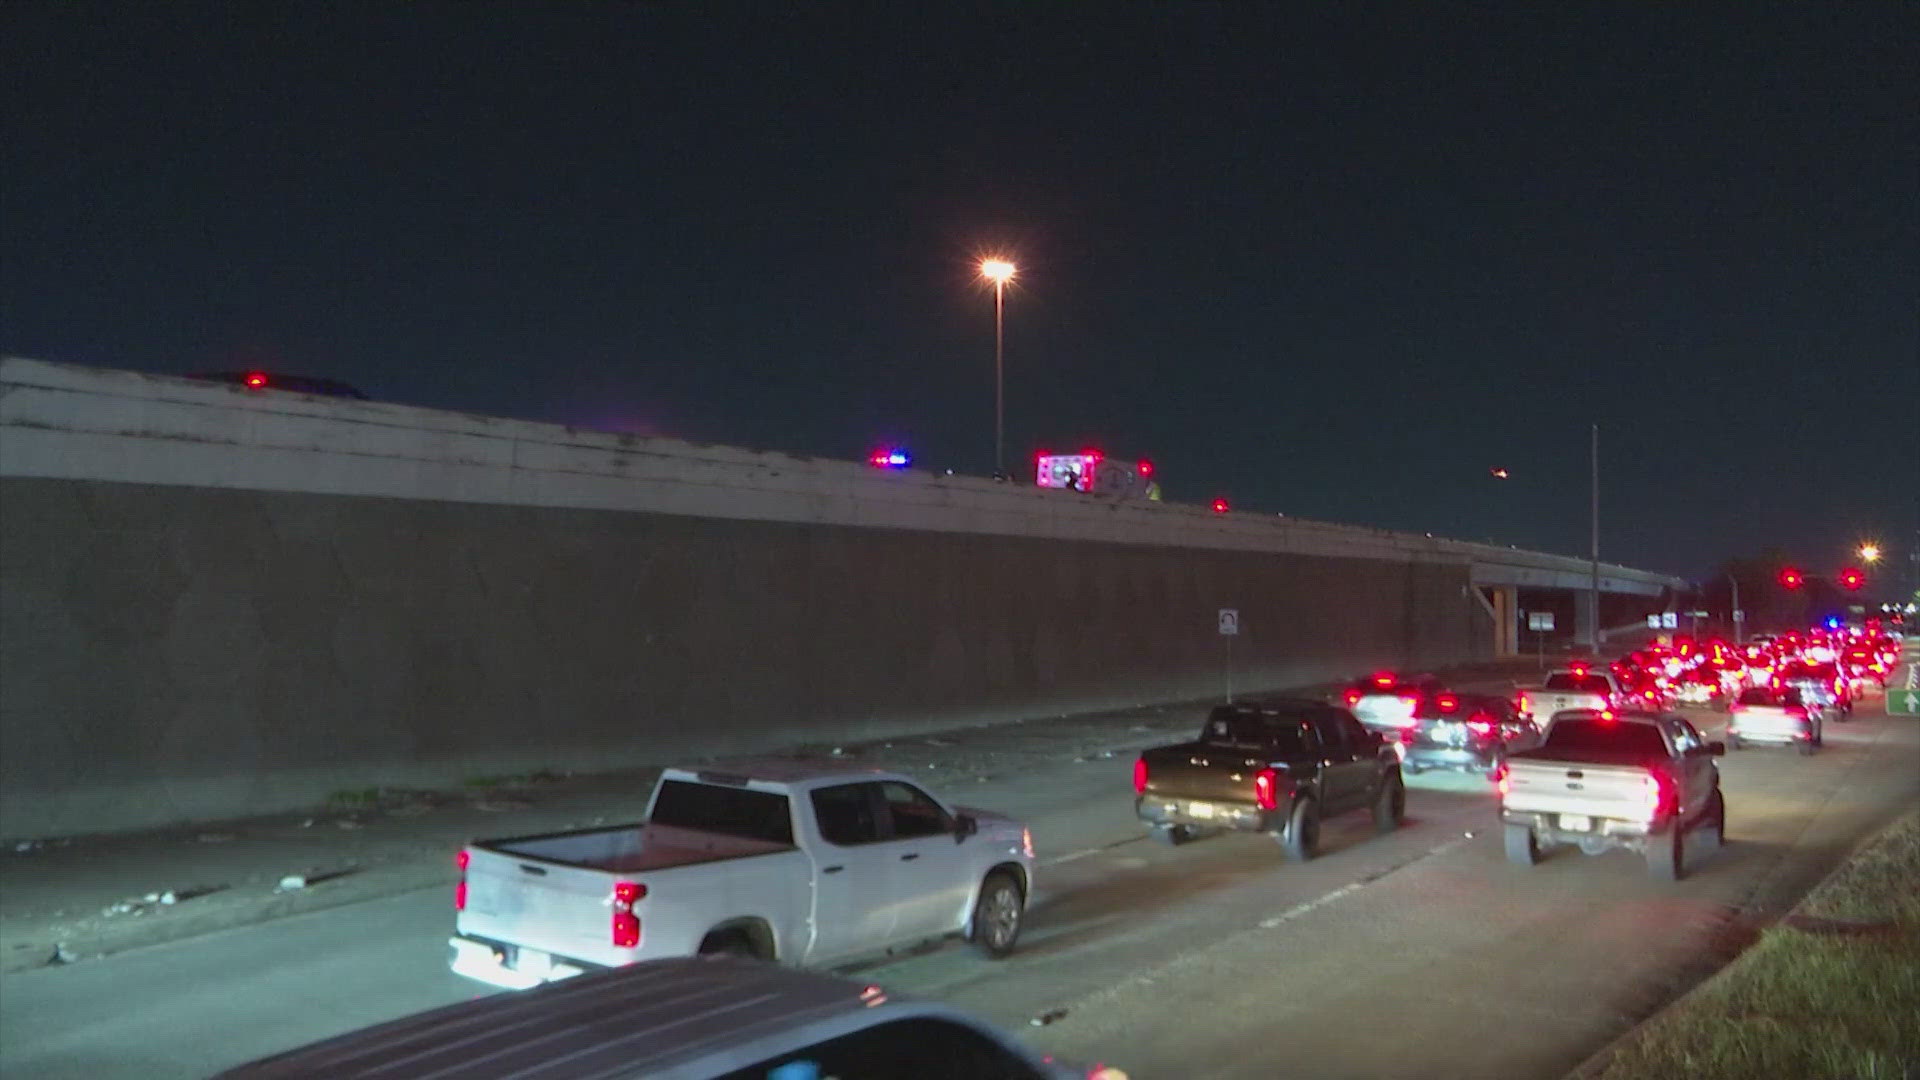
column 1852, row 578
column 1792, row 578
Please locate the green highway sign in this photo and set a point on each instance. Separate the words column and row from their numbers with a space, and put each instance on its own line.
column 1903, row 702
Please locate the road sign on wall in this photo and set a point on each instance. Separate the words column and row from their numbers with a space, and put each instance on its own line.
column 1540, row 620
column 1229, row 621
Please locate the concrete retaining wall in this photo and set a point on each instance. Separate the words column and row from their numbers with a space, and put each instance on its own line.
column 173, row 654
column 215, row 602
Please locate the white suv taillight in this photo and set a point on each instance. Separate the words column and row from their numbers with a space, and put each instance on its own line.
column 460, row 887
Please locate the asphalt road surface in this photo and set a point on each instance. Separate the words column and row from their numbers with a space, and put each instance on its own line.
column 1420, row 954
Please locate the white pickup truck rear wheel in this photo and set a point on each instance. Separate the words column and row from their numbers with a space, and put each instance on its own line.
column 1667, row 854
column 1522, row 848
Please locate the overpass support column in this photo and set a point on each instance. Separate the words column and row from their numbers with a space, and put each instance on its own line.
column 1506, row 620
column 1585, row 616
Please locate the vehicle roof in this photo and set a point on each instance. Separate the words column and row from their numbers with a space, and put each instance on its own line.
column 1632, row 716
column 783, row 770
column 1272, row 706
column 658, row 1018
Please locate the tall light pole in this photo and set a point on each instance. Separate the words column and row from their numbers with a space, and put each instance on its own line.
column 999, row 271
column 1593, row 598
column 1739, row 616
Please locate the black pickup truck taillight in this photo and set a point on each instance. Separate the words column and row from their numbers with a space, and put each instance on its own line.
column 1140, row 776
column 1266, row 794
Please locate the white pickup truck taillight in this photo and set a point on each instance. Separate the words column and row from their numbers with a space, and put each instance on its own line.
column 1656, row 796
column 460, row 887
column 626, row 925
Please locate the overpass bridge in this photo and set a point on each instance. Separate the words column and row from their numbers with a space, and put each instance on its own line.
column 219, row 600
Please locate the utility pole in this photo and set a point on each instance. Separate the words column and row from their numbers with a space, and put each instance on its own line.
column 1593, row 598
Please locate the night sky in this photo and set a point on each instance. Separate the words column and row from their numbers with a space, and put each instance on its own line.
column 1324, row 260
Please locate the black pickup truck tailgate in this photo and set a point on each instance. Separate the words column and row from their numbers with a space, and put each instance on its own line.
column 1207, row 772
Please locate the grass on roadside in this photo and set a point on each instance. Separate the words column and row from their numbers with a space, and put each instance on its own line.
column 1808, row 1004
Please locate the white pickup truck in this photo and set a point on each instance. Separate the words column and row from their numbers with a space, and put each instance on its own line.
column 806, row 865
column 1606, row 780
column 1576, row 687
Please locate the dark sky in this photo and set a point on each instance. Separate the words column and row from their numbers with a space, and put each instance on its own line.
column 1330, row 261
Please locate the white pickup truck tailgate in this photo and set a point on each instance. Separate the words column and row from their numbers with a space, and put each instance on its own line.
column 564, row 910
column 1600, row 791
column 1543, row 704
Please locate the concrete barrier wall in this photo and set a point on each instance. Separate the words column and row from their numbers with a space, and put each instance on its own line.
column 174, row 653
column 217, row 602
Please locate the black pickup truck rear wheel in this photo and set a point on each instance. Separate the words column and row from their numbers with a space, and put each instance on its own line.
column 1390, row 806
column 1300, row 839
column 1174, row 835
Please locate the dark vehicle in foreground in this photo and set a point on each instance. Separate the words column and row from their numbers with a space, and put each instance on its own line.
column 697, row 1018
column 1275, row 767
column 1605, row 780
column 1465, row 733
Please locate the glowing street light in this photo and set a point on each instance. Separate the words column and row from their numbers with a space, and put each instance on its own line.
column 999, row 271
column 1870, row 552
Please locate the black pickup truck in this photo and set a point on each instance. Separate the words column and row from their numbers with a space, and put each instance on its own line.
column 1276, row 767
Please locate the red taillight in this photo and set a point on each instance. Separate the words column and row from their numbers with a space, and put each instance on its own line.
column 255, row 380
column 1139, row 776
column 1654, row 797
column 1447, row 702
column 1526, row 704
column 1353, row 698
column 460, row 862
column 1798, row 712
column 626, row 925
column 1265, row 794
column 1482, row 728
column 1383, row 678
column 1500, row 782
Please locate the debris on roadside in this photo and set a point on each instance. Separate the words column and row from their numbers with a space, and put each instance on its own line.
column 1048, row 1017
column 140, row 905
column 299, row 882
column 62, row 955
column 25, row 846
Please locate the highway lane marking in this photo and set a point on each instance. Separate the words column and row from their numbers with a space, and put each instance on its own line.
column 1102, row 849
column 1298, row 910
column 1140, row 979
